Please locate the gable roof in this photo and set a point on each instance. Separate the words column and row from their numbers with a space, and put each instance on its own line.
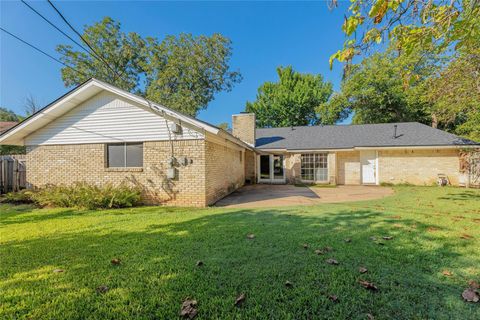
column 409, row 134
column 88, row 89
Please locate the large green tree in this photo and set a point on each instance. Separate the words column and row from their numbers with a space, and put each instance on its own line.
column 9, row 115
column 295, row 100
column 375, row 91
column 182, row 72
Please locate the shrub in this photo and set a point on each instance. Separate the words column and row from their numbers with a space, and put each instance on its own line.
column 87, row 196
column 20, row 197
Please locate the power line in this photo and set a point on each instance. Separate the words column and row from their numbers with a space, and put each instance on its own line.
column 53, row 25
column 83, row 39
column 41, row 51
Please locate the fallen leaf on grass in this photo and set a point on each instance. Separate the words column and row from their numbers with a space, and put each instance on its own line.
column 396, row 217
column 373, row 238
column 362, row 270
column 470, row 295
column 333, row 298
column 115, row 261
column 370, row 316
column 473, row 284
column 240, row 300
column 102, row 289
column 58, row 271
column 368, row 285
column 327, row 249
column 288, row 284
column 447, row 273
column 305, row 246
column 387, row 237
column 319, row 252
column 466, row 236
column 332, row 261
column 432, row 229
column 348, row 240
column 199, row 263
column 189, row 309
column 250, row 236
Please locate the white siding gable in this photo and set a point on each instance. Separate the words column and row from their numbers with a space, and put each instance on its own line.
column 107, row 118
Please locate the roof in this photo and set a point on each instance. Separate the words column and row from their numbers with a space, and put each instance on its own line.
column 86, row 90
column 409, row 134
column 5, row 125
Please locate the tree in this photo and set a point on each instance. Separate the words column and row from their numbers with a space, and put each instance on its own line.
column 375, row 91
column 8, row 115
column 296, row 100
column 455, row 94
column 413, row 24
column 224, row 125
column 31, row 105
column 182, row 73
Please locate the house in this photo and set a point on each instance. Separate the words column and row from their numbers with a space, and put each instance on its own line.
column 100, row 134
column 5, row 125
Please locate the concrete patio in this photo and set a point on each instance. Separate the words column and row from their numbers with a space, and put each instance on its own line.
column 266, row 195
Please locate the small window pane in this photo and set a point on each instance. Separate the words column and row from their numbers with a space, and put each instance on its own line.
column 116, row 155
column 134, row 155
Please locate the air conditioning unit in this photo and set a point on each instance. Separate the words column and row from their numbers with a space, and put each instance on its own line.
column 176, row 128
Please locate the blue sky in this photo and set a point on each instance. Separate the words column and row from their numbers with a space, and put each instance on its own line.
column 265, row 35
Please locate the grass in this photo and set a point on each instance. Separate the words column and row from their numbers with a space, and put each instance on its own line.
column 159, row 248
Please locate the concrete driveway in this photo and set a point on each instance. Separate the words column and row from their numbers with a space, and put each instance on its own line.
column 265, row 195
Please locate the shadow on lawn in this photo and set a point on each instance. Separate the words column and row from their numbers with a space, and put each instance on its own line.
column 158, row 269
column 465, row 195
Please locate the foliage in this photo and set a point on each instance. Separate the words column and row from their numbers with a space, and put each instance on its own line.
column 159, row 246
column 182, row 72
column 295, row 100
column 8, row 115
column 413, row 24
column 455, row 94
column 224, row 125
column 377, row 93
column 79, row 195
column 185, row 72
column 20, row 197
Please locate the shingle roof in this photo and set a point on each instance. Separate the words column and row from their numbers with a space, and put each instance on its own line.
column 350, row 136
column 5, row 125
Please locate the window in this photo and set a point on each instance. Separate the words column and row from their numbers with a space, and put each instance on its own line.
column 314, row 167
column 125, row 155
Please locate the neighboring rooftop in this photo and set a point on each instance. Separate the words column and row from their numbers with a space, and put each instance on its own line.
column 350, row 136
column 5, row 125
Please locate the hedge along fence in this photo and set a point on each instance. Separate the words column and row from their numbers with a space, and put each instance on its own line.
column 13, row 171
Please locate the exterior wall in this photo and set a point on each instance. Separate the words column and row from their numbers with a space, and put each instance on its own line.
column 348, row 167
column 243, row 127
column 224, row 172
column 419, row 167
column 293, row 168
column 66, row 164
column 250, row 166
column 107, row 118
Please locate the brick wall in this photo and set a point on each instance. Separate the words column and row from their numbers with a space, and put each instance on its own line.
column 65, row 164
column 348, row 167
column 243, row 127
column 250, row 166
column 225, row 170
column 418, row 166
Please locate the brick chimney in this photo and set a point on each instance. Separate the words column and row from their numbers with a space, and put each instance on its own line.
column 243, row 127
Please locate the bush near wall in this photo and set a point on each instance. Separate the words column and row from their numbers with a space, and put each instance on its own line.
column 79, row 195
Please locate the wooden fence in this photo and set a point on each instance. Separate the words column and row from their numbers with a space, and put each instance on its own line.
column 12, row 173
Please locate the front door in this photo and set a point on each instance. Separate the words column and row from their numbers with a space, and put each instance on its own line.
column 369, row 166
column 271, row 169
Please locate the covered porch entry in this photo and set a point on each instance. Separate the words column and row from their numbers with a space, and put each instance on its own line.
column 271, row 168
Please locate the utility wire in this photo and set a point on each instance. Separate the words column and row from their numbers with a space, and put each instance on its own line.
column 41, row 51
column 83, row 39
column 59, row 30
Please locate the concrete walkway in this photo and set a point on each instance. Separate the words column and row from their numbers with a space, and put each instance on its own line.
column 264, row 195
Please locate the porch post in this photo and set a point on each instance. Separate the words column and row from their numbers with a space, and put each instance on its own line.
column 332, row 167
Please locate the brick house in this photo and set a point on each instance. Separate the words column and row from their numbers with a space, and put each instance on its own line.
column 98, row 133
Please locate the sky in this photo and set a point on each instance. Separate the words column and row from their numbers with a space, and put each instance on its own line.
column 264, row 35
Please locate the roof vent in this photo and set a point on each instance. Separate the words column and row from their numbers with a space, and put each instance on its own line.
column 395, row 131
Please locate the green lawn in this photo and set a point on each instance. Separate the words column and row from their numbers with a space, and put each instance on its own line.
column 434, row 230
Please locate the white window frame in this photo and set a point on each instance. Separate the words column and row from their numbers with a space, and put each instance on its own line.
column 322, row 156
